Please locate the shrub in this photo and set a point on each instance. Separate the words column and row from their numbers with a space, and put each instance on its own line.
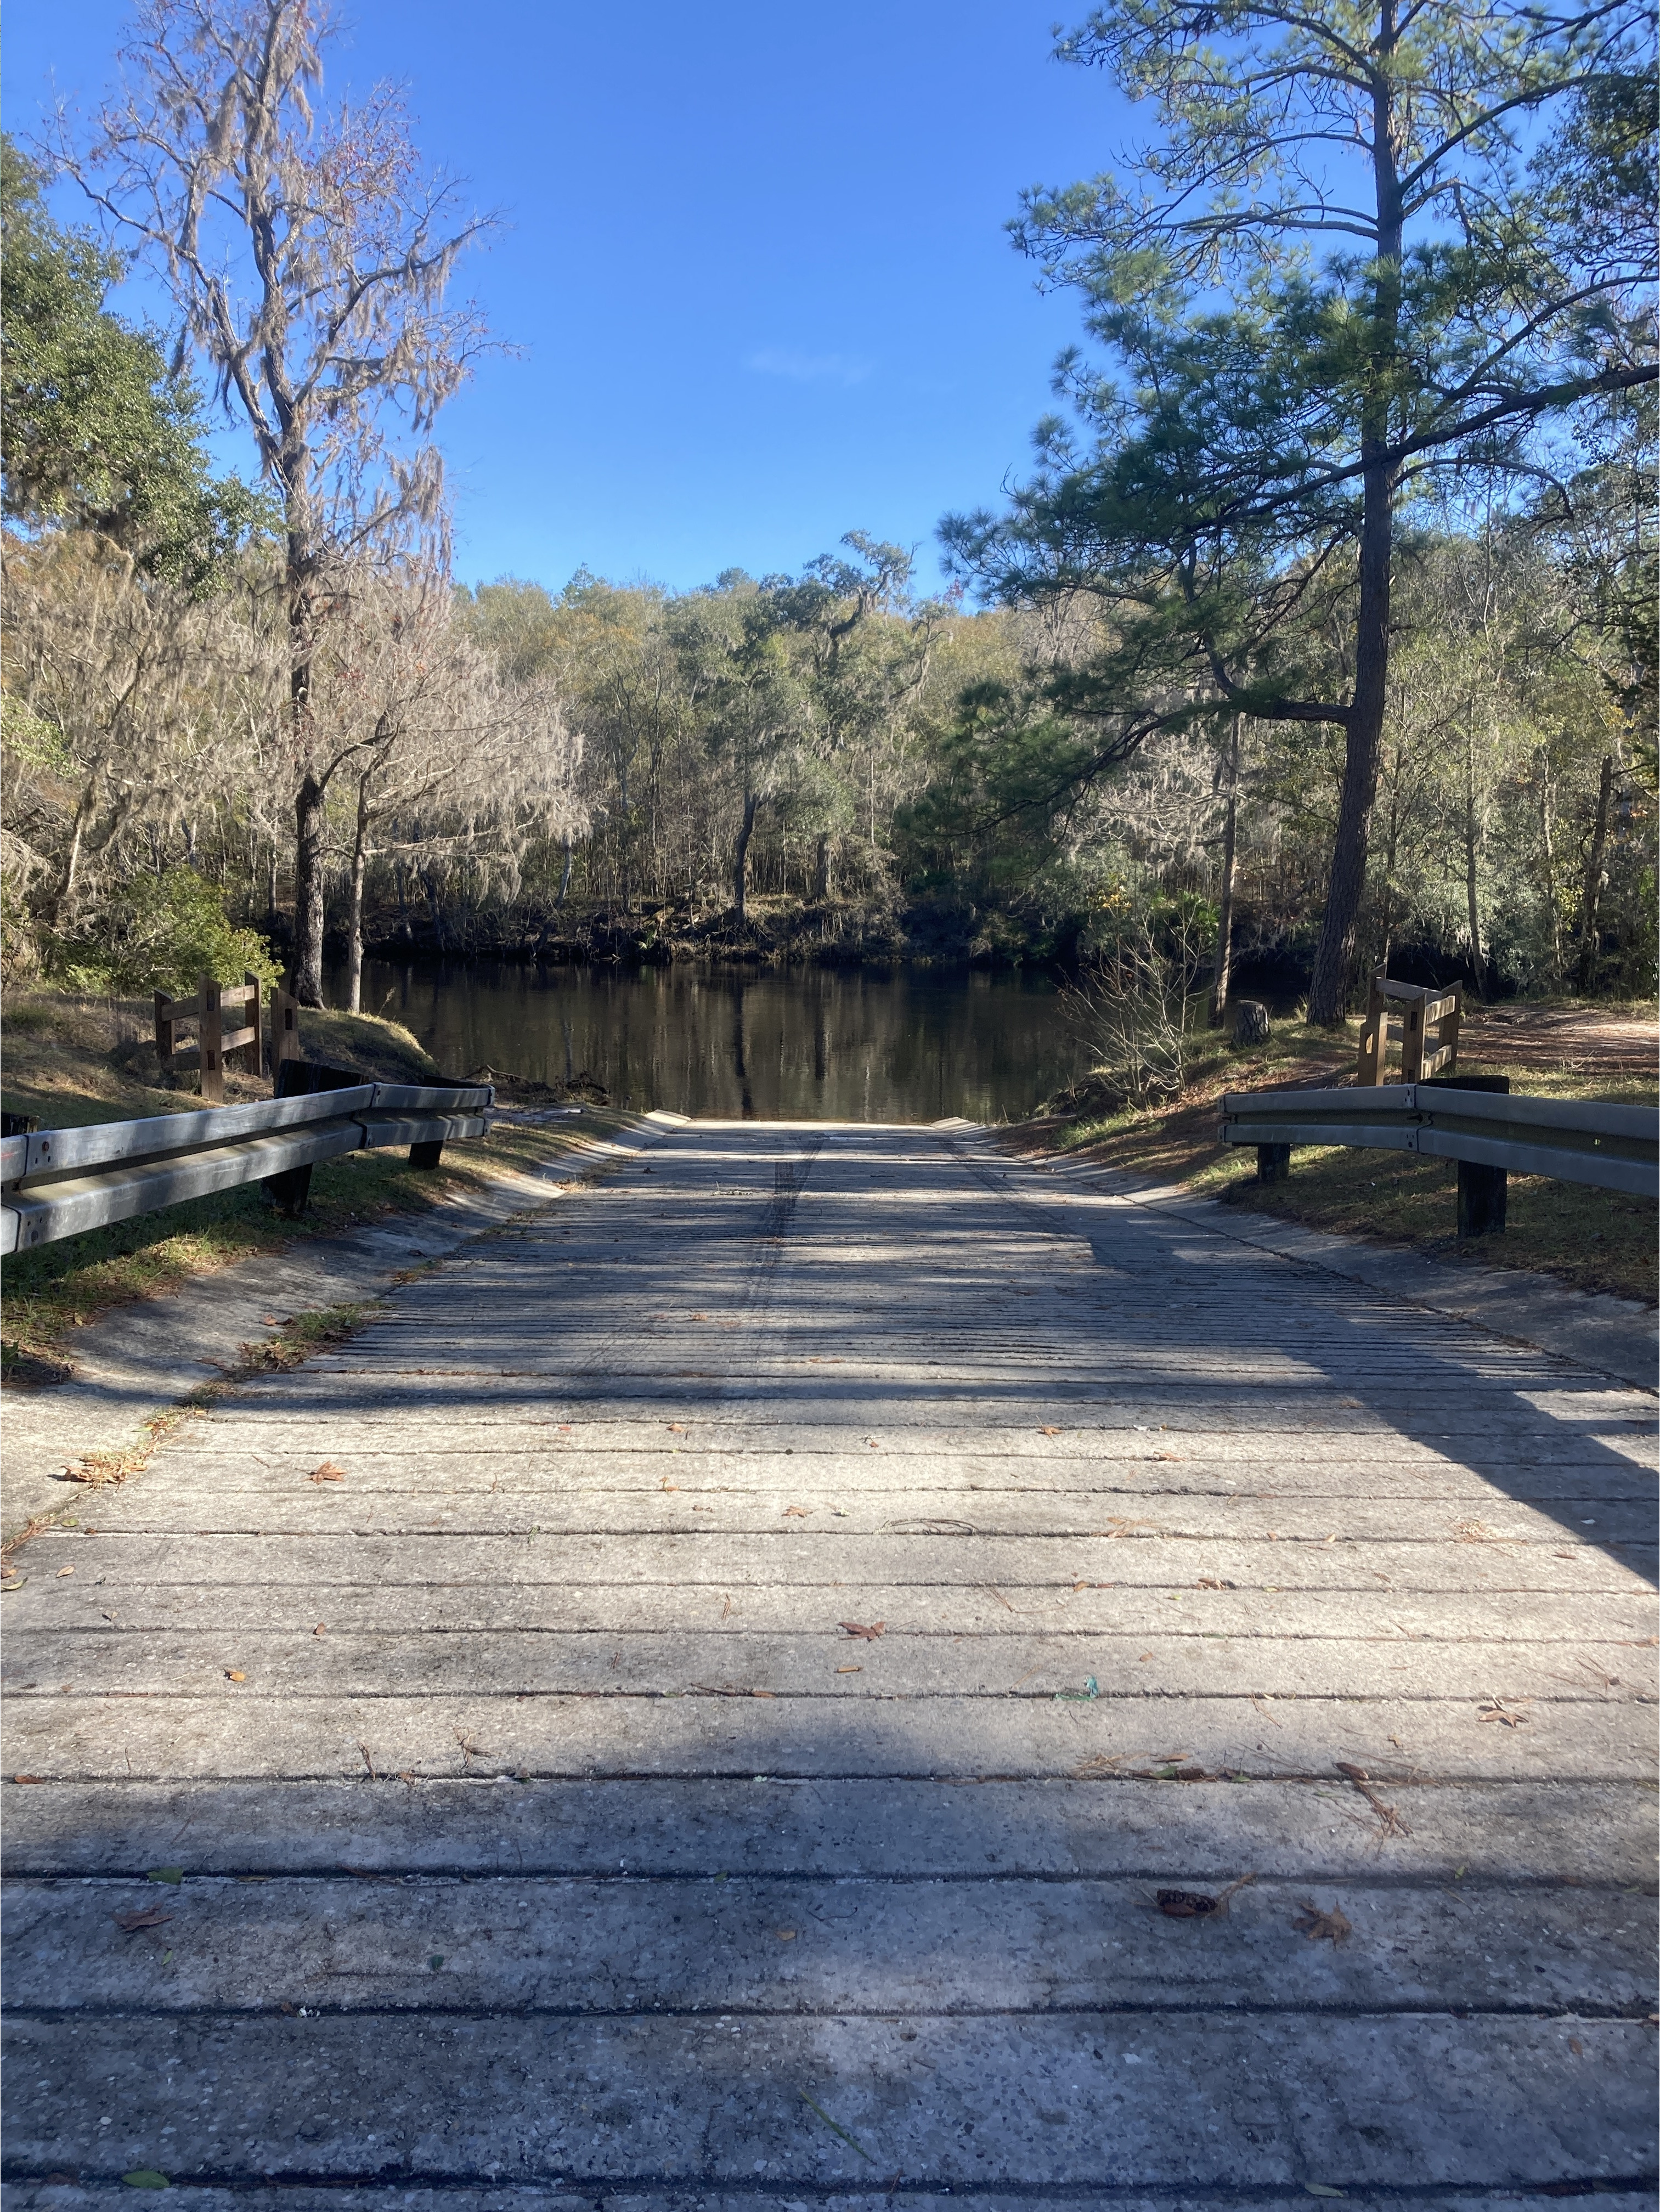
column 162, row 933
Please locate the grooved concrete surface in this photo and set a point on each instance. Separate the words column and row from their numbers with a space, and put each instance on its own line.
column 783, row 1617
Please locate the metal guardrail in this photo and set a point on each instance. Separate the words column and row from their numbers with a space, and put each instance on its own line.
column 1592, row 1141
column 56, row 1182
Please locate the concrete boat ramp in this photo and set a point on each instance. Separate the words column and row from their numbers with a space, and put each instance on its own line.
column 831, row 1669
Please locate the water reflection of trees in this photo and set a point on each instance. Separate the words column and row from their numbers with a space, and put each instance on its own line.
column 821, row 1044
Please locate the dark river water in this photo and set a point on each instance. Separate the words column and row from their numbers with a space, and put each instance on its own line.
column 815, row 1043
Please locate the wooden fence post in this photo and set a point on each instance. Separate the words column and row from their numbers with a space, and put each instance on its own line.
column 163, row 1028
column 1412, row 1041
column 1374, row 1036
column 284, row 1029
column 251, row 1013
column 1448, row 1029
column 211, row 1029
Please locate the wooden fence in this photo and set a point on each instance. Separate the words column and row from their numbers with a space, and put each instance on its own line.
column 1406, row 1014
column 207, row 1012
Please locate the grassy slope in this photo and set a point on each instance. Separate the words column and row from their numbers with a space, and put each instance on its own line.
column 72, row 1061
column 1595, row 1240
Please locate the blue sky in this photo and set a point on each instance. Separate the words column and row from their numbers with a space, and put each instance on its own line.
column 756, row 263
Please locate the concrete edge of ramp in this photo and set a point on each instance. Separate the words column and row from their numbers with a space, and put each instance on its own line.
column 145, row 1357
column 1616, row 1336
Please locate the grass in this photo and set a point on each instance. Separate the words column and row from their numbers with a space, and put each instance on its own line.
column 73, row 1061
column 1592, row 1240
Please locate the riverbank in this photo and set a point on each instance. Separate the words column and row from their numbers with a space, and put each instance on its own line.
column 1596, row 1241
column 776, row 931
column 71, row 1061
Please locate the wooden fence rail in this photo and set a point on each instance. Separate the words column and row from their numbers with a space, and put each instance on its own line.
column 1489, row 1133
column 56, row 1182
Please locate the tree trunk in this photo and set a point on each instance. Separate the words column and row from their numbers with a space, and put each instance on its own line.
column 270, row 889
column 821, row 880
column 741, row 858
column 564, row 878
column 1547, row 837
column 1471, row 840
column 1218, row 997
column 1333, row 959
column 1588, row 929
column 308, row 892
column 355, row 906
column 65, row 891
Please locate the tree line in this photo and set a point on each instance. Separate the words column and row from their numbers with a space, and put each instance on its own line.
column 1326, row 621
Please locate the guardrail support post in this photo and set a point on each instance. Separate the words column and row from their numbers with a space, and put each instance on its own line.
column 1273, row 1162
column 426, row 1155
column 1482, row 1193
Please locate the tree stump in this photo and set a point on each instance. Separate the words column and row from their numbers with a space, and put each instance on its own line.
column 1250, row 1022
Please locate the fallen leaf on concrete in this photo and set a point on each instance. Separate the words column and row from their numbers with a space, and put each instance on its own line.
column 173, row 1874
column 1393, row 1824
column 29, row 1777
column 676, row 1428
column 234, row 1674
column 153, row 1918
column 1575, row 2046
column 65, row 1571
column 146, row 2177
column 785, row 1934
column 1099, row 1762
column 1331, row 1927
column 797, row 1512
column 1049, row 1432
column 1321, row 2189
column 327, row 1473
column 1510, row 1715
column 870, row 1632
column 849, row 1671
column 1177, row 1456
column 320, row 1630
column 666, row 1485
column 1185, row 1904
column 1213, row 1582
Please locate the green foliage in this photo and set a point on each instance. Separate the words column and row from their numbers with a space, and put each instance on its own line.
column 100, row 434
column 163, row 932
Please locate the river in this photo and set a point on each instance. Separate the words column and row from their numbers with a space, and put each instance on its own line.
column 815, row 1043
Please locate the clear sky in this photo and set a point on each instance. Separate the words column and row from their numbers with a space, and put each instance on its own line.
column 756, row 263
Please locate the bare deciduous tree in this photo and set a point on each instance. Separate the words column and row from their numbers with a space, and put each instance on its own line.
column 440, row 755
column 309, row 257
